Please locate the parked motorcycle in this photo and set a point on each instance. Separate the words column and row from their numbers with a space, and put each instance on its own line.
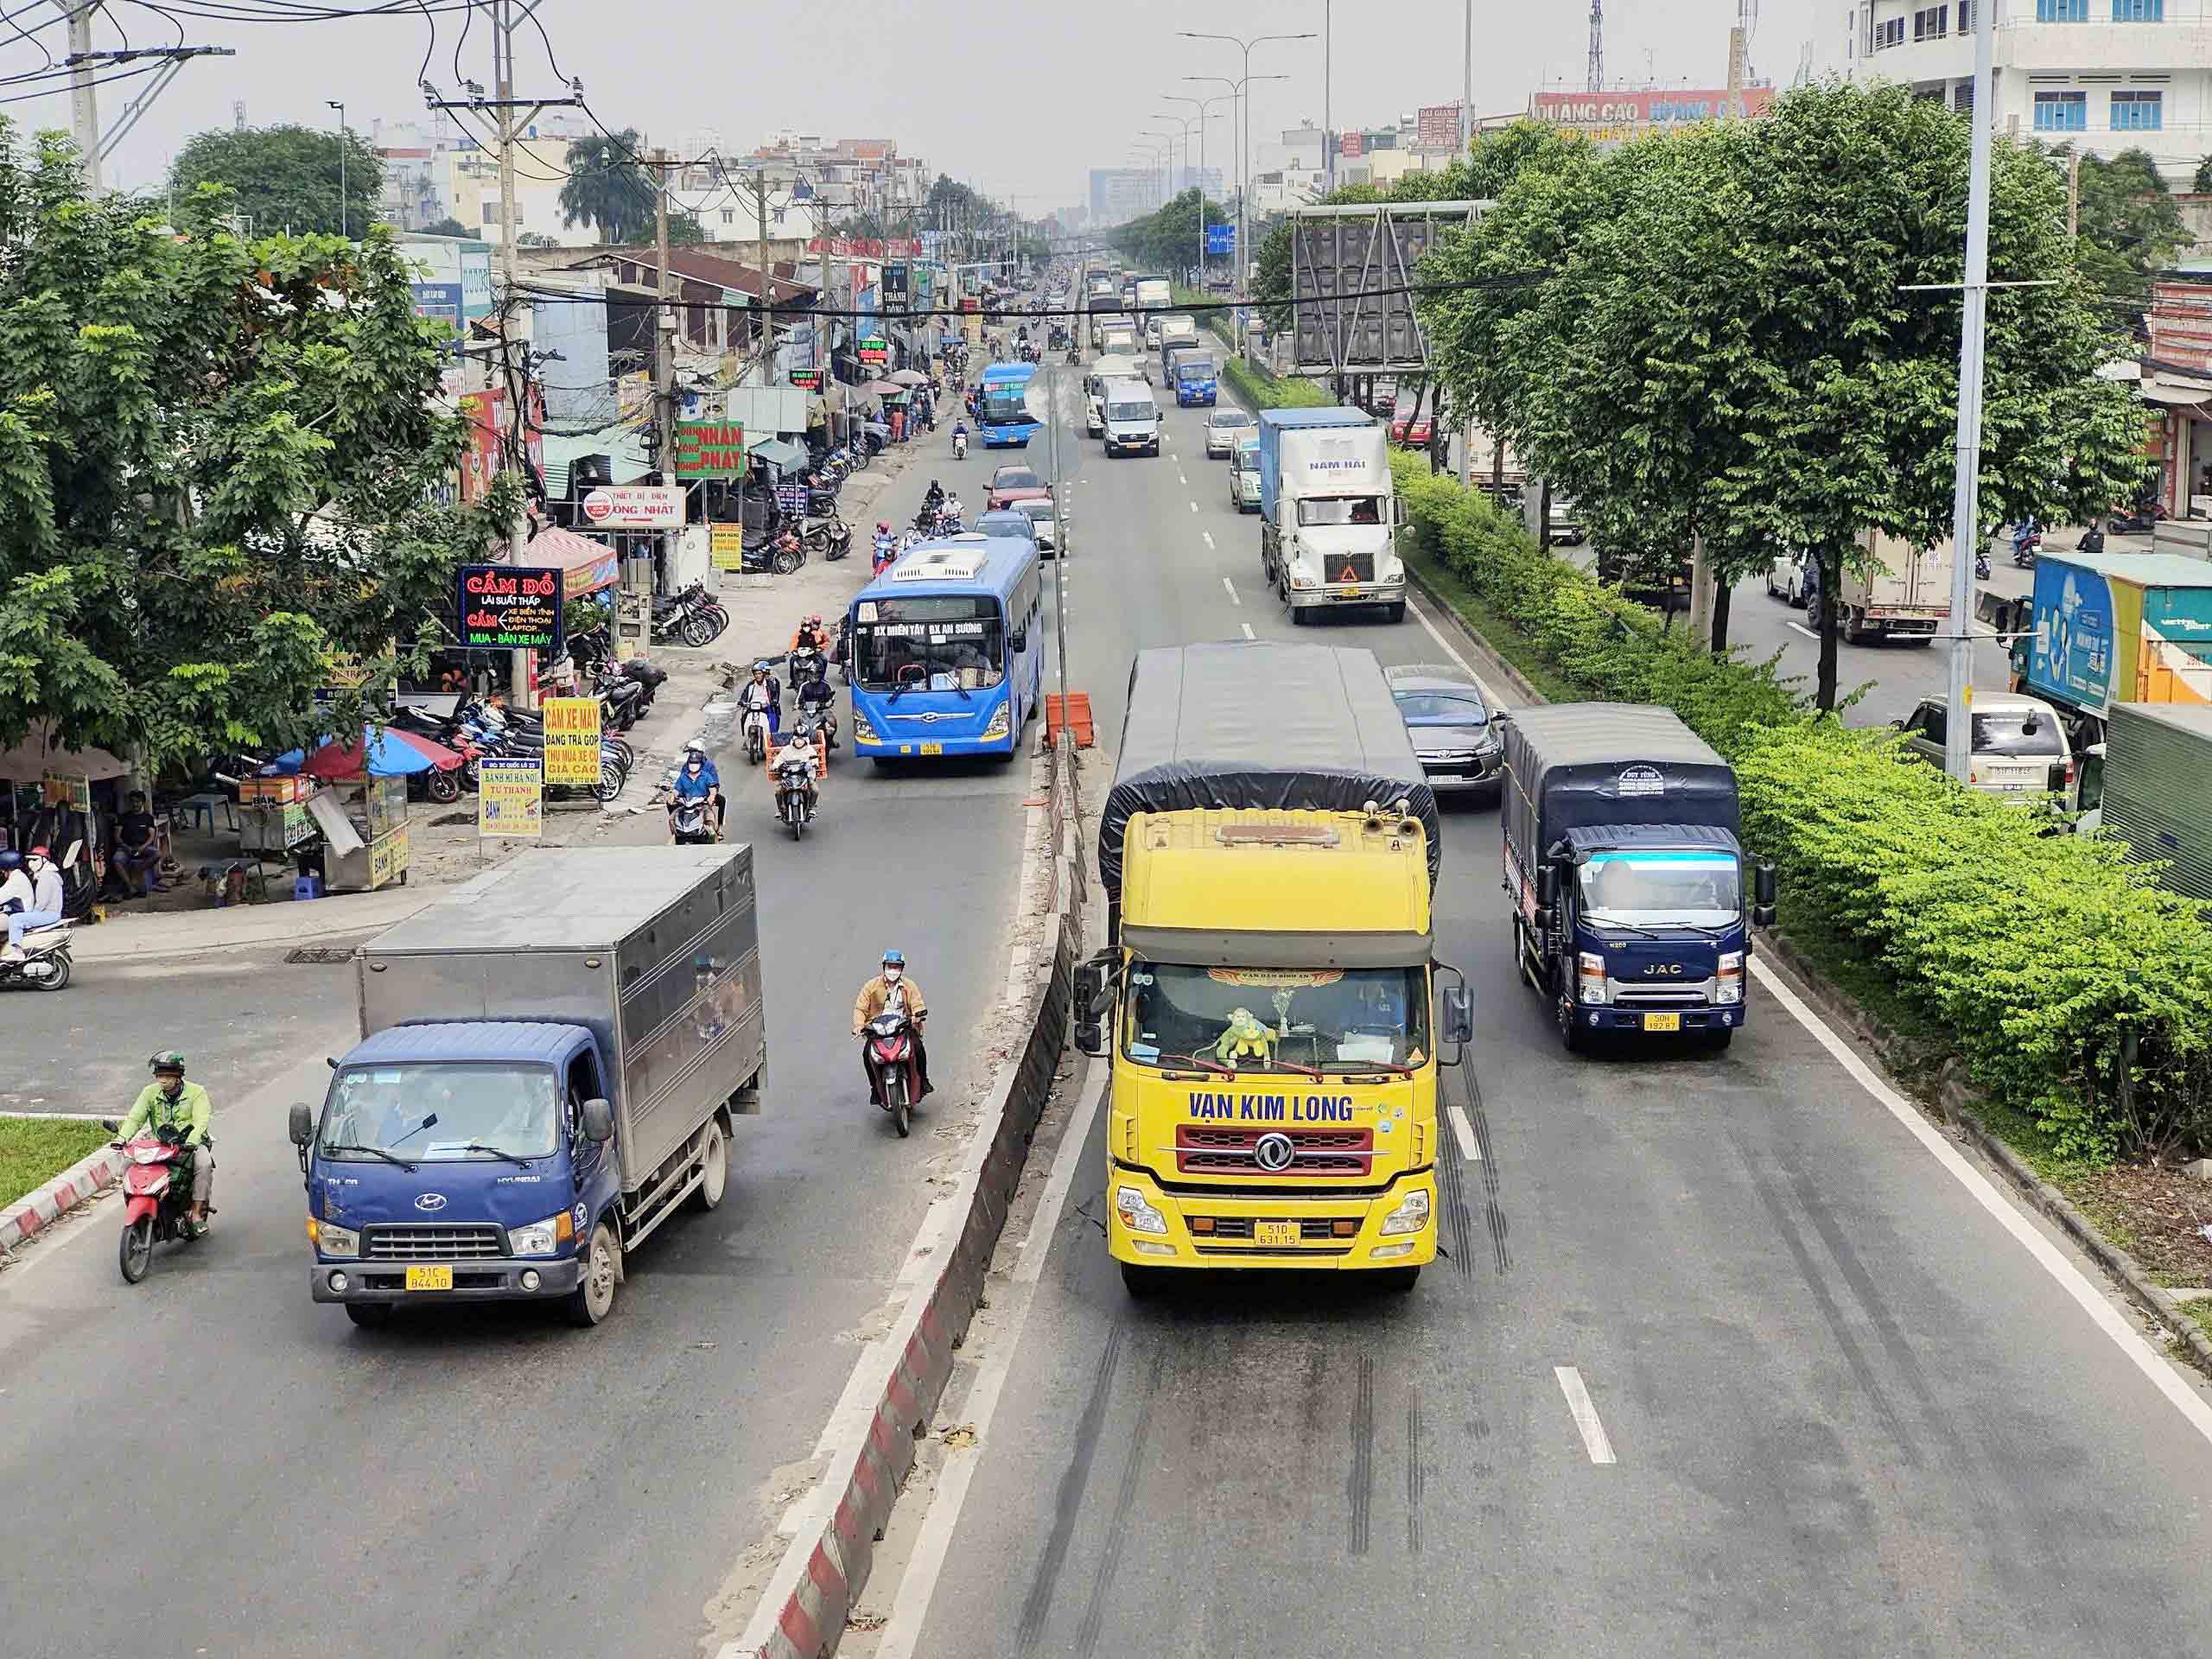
column 45, row 965
column 793, row 775
column 894, row 1075
column 156, row 1196
column 693, row 822
column 832, row 539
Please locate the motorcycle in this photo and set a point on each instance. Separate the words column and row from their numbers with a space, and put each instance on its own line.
column 46, row 964
column 1982, row 567
column 693, row 823
column 959, row 446
column 793, row 776
column 832, row 539
column 893, row 1076
column 886, row 554
column 818, row 711
column 155, row 1197
column 2027, row 542
column 804, row 665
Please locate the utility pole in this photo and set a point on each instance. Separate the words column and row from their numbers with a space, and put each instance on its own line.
column 2073, row 194
column 339, row 104
column 84, row 103
column 1328, row 88
column 767, row 282
column 664, row 319
column 1965, row 506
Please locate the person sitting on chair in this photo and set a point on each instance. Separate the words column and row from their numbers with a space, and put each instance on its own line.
column 137, row 855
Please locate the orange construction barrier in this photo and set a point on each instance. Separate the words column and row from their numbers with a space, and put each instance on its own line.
column 1078, row 718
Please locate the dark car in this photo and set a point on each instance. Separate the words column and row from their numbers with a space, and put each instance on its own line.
column 1449, row 721
column 1013, row 484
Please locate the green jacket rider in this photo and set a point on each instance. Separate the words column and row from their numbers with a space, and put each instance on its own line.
column 169, row 1100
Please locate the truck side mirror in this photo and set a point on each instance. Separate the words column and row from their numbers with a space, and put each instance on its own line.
column 1763, row 889
column 1547, row 886
column 1458, row 1015
column 1093, row 993
column 598, row 1120
column 302, row 1125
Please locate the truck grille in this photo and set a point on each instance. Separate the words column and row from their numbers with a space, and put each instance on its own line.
column 1202, row 1149
column 410, row 1243
column 1309, row 1228
column 1348, row 567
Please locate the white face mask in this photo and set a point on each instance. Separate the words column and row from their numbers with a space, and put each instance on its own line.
column 891, row 975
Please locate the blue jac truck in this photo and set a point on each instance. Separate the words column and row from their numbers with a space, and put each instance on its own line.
column 551, row 1061
column 1624, row 872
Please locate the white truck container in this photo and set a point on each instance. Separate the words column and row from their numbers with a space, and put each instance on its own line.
column 1907, row 597
column 1328, row 509
column 1152, row 298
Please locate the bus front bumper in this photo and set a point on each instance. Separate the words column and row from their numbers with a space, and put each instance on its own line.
column 1335, row 1232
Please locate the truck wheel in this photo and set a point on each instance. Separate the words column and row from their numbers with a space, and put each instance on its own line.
column 1570, row 1032
column 594, row 1299
column 370, row 1316
column 714, row 1178
column 1393, row 614
column 1141, row 1283
column 1395, row 1280
column 1718, row 1038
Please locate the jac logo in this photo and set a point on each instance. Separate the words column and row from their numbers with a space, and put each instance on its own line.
column 1666, row 968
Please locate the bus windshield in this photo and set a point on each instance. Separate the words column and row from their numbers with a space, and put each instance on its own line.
column 935, row 642
column 1006, row 402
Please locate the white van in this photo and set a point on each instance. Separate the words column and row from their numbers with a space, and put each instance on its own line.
column 1113, row 366
column 1131, row 419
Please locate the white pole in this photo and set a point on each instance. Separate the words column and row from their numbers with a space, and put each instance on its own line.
column 84, row 101
column 1966, row 511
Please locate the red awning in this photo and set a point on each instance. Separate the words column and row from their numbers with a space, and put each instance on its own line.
column 587, row 566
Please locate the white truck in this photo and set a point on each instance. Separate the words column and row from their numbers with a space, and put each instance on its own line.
column 1328, row 508
column 1907, row 596
column 1153, row 297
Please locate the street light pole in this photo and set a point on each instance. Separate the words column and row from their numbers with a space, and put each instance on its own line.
column 1240, row 90
column 1966, row 506
column 339, row 104
column 1205, row 107
column 1243, row 210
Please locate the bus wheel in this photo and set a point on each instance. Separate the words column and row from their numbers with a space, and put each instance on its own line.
column 1141, row 1283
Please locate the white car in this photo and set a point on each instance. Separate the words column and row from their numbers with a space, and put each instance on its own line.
column 2019, row 744
column 1785, row 579
column 1225, row 427
column 1043, row 525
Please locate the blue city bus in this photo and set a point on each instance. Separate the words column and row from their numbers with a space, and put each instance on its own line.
column 1007, row 421
column 947, row 650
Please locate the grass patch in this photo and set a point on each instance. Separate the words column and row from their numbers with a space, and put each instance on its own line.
column 1495, row 631
column 2200, row 1310
column 33, row 1150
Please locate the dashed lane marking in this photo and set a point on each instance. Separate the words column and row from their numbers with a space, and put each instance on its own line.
column 1464, row 1132
column 1585, row 1414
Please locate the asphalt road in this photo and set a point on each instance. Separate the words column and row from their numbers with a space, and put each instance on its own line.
column 211, row 1463
column 1846, row 1412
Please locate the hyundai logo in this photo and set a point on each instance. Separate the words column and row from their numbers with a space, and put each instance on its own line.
column 1273, row 1151
column 1663, row 968
column 431, row 1201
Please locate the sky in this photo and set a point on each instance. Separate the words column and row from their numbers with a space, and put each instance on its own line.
column 1021, row 100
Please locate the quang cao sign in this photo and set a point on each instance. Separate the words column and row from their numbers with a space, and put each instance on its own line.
column 874, row 352
column 635, row 507
column 806, row 379
column 510, row 607
column 709, row 450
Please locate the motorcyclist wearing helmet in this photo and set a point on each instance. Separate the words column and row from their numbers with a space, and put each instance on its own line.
column 761, row 692
column 30, row 897
column 170, row 1102
column 696, row 780
column 810, row 634
column 933, row 495
column 891, row 989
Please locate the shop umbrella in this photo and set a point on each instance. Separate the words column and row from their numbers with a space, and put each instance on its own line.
column 909, row 378
column 884, row 389
column 387, row 753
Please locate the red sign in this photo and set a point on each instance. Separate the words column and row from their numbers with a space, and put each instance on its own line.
column 865, row 247
column 1436, row 126
column 486, row 415
column 635, row 507
column 1351, row 143
column 1623, row 115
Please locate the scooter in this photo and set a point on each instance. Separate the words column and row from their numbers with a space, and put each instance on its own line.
column 804, row 665
column 45, row 966
column 2027, row 542
column 959, row 445
column 692, row 822
column 756, row 735
column 895, row 1078
column 832, row 539
column 1981, row 566
column 820, row 710
column 154, row 1198
column 793, row 776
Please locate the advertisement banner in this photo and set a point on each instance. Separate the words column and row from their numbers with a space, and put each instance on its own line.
column 635, row 507
column 1354, row 145
column 510, row 607
column 510, row 797
column 571, row 740
column 790, row 498
column 806, row 379
column 709, row 450
column 1436, row 126
column 726, row 546
column 874, row 352
column 2070, row 655
column 1609, row 117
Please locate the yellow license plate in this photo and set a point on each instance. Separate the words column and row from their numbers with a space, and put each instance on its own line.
column 1663, row 1022
column 933, row 748
column 429, row 1277
column 1280, row 1235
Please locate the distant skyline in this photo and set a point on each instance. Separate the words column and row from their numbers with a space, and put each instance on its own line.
column 1020, row 100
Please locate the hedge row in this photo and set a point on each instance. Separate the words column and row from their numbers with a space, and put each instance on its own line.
column 2036, row 952
column 1262, row 391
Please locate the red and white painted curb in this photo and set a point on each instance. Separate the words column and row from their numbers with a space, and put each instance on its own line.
column 42, row 1206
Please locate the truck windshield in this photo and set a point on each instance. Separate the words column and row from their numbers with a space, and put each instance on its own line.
column 436, row 1112
column 1340, row 509
column 1315, row 1018
column 1697, row 889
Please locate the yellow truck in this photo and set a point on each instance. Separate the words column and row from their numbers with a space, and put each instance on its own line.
column 1269, row 997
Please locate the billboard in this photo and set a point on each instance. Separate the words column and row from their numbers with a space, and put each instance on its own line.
column 1353, row 270
column 1436, row 126
column 1353, row 144
column 1610, row 117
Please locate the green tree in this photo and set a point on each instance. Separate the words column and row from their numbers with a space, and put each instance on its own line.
column 2129, row 225
column 449, row 227
column 1167, row 238
column 534, row 239
column 284, row 178
column 218, row 461
column 2203, row 181
column 685, row 230
column 608, row 189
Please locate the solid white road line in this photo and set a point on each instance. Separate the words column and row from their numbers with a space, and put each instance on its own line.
column 1421, row 617
column 1586, row 1414
column 1247, row 627
column 1799, row 627
column 910, row 1603
column 2076, row 1284
column 1464, row 1132
column 1232, row 586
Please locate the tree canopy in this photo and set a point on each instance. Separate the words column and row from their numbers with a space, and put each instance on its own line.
column 219, row 464
column 608, row 189
column 685, row 230
column 285, row 179
column 449, row 227
column 2129, row 225
column 1167, row 240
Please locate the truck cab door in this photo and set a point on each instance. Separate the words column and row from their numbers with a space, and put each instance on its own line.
column 593, row 1162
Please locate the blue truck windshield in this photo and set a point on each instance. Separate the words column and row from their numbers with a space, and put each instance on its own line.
column 439, row 1113
column 1318, row 1017
column 1647, row 889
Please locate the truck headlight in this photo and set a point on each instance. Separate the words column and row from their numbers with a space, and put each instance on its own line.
column 1590, row 970
column 1728, row 983
column 1411, row 1214
column 1302, row 583
column 1002, row 723
column 1137, row 1212
column 1394, row 577
column 542, row 1237
column 862, row 732
column 330, row 1240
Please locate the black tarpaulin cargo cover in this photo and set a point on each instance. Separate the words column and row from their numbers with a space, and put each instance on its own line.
column 1574, row 766
column 1255, row 723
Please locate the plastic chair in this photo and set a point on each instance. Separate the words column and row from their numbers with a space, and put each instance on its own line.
column 200, row 809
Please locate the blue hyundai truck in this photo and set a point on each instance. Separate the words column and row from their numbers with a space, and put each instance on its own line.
column 1627, row 880
column 551, row 1063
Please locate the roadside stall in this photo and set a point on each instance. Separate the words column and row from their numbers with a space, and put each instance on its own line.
column 361, row 816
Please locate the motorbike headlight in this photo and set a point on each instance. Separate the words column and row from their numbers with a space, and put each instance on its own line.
column 1411, row 1214
column 1002, row 723
column 862, row 732
column 542, row 1237
column 1137, row 1212
column 330, row 1240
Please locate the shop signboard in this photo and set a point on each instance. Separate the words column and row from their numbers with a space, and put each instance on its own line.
column 874, row 351
column 571, row 740
column 806, row 379
column 68, row 789
column 790, row 498
column 709, row 450
column 510, row 607
column 388, row 855
column 1436, row 126
column 509, row 797
column 635, row 507
column 726, row 546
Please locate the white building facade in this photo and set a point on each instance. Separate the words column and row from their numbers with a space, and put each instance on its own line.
column 2103, row 75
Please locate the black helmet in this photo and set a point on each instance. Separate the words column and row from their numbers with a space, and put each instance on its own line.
column 167, row 1060
column 10, row 859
